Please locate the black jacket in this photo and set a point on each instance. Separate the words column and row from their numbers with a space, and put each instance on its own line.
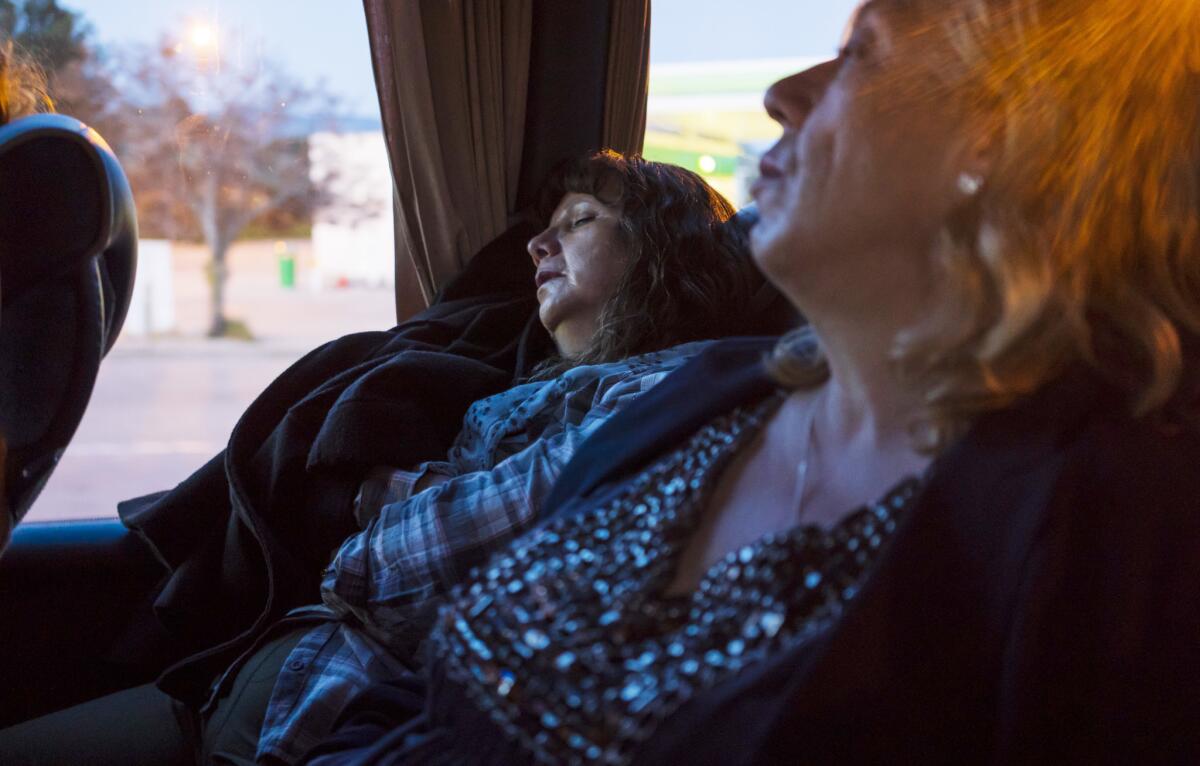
column 1039, row 603
column 246, row 537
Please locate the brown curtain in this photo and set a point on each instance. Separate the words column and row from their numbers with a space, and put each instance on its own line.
column 453, row 78
column 628, row 76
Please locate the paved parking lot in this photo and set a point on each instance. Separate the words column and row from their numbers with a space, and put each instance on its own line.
column 163, row 406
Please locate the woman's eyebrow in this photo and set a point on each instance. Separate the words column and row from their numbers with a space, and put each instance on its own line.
column 861, row 23
column 567, row 211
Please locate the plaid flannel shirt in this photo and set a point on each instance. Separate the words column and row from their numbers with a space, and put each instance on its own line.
column 385, row 584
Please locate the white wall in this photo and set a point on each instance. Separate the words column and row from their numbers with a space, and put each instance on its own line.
column 152, row 304
column 352, row 235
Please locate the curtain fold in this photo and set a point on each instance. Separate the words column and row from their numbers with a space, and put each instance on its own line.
column 628, row 78
column 452, row 78
column 453, row 81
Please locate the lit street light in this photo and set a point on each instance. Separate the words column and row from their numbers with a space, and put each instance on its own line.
column 203, row 40
column 202, row 36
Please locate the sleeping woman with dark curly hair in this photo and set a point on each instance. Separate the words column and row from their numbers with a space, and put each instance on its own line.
column 636, row 268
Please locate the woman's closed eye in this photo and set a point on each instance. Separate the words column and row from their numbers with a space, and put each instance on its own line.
column 582, row 220
column 853, row 50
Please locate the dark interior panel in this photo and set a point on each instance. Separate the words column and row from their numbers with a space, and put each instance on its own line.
column 568, row 72
column 74, row 602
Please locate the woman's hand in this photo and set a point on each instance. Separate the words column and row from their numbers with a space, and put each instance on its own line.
column 428, row 480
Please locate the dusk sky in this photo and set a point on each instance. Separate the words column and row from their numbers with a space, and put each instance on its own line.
column 326, row 39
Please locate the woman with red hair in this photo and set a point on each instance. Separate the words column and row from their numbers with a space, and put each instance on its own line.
column 956, row 519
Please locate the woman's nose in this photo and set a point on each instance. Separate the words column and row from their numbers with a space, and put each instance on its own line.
column 543, row 246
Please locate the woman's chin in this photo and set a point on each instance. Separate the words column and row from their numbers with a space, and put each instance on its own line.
column 548, row 315
column 766, row 234
column 767, row 248
column 552, row 321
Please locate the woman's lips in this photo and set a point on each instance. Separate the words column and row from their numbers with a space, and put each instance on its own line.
column 761, row 191
column 545, row 276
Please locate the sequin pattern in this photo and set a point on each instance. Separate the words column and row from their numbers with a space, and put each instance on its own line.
column 567, row 643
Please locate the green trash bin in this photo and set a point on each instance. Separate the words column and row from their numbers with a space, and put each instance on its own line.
column 287, row 265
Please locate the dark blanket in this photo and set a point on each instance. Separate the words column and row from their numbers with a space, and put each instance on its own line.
column 246, row 537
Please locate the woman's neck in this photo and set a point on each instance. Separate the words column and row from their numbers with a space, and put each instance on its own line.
column 865, row 401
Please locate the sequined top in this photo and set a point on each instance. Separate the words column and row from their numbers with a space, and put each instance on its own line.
column 569, row 644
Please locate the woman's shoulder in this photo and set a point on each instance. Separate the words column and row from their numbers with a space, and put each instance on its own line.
column 1098, row 485
column 738, row 351
column 638, row 365
column 678, row 355
column 711, row 357
column 686, row 361
column 1109, row 587
column 704, row 370
column 1088, row 427
column 1150, row 464
column 1071, row 479
column 1116, row 452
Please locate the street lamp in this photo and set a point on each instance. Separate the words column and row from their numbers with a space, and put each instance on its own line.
column 202, row 36
column 203, row 39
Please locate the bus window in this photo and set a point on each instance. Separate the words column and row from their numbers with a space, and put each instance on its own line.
column 264, row 203
column 709, row 67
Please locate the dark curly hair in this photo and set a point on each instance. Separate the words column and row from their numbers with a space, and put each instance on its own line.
column 689, row 277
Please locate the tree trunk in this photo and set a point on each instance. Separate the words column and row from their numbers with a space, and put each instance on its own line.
column 218, row 323
column 210, row 224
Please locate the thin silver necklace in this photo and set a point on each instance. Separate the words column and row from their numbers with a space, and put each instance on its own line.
column 803, row 466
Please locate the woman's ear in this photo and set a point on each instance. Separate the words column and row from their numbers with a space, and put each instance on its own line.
column 979, row 157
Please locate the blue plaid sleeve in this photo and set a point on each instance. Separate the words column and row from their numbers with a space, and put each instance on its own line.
column 414, row 550
column 383, row 486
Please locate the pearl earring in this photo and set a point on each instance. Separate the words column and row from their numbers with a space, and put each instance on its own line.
column 969, row 183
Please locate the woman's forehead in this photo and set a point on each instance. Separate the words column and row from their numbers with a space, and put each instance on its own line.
column 869, row 16
column 859, row 15
column 892, row 25
column 572, row 200
column 897, row 15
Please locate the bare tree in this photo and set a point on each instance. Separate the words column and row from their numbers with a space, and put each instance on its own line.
column 238, row 164
column 209, row 145
column 226, row 145
column 54, row 36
